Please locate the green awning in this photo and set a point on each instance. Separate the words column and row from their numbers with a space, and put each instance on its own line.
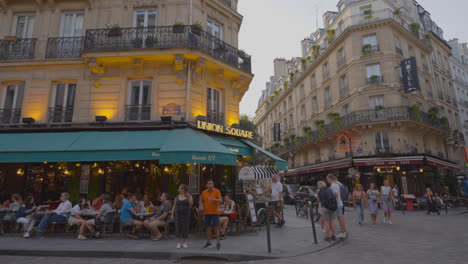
column 235, row 145
column 192, row 146
column 281, row 164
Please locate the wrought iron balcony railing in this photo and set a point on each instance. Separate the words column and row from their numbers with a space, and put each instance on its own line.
column 60, row 114
column 21, row 49
column 399, row 51
column 363, row 117
column 10, row 116
column 138, row 113
column 226, row 3
column 215, row 117
column 375, row 79
column 69, row 47
column 163, row 38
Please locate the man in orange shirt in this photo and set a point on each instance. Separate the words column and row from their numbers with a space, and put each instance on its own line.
column 209, row 203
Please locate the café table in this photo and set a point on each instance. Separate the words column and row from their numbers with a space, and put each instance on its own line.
column 89, row 214
column 144, row 215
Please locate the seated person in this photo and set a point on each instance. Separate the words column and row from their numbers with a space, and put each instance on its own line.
column 58, row 215
column 230, row 206
column 100, row 218
column 75, row 216
column 160, row 218
column 13, row 206
column 97, row 202
column 24, row 215
column 223, row 221
column 130, row 209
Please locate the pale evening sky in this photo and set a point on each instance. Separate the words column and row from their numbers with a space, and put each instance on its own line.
column 274, row 28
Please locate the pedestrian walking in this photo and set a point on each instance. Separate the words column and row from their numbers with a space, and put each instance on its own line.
column 387, row 201
column 359, row 202
column 431, row 203
column 327, row 214
column 335, row 187
column 277, row 200
column 373, row 197
column 182, row 211
column 209, row 203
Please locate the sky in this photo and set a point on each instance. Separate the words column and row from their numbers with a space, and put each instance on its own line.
column 274, row 28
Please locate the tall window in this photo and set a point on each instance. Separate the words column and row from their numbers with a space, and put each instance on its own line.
column 214, row 107
column 302, row 91
column 214, row 28
column 10, row 112
column 61, row 110
column 370, row 43
column 145, row 18
column 72, row 24
column 346, row 109
column 313, row 82
column 373, row 73
column 139, row 100
column 343, row 85
column 325, row 72
column 314, row 105
column 23, row 25
column 303, row 111
column 327, row 96
column 375, row 101
column 382, row 142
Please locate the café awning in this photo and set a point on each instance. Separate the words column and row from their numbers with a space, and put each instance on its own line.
column 256, row 173
column 281, row 164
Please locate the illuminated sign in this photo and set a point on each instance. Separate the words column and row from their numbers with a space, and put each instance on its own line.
column 171, row 109
column 224, row 130
column 343, row 143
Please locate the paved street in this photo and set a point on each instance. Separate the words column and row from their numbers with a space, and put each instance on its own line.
column 412, row 237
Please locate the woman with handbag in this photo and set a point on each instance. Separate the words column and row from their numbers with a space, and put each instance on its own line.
column 359, row 202
column 373, row 202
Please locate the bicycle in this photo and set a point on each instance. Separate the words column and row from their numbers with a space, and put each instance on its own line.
column 302, row 208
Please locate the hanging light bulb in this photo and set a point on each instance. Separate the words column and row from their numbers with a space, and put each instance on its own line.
column 166, row 169
column 421, row 170
column 137, row 165
column 66, row 172
column 398, row 168
column 19, row 171
column 100, row 171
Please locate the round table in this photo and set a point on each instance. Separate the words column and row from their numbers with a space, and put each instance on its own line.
column 144, row 215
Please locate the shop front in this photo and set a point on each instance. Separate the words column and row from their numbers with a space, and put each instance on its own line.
column 145, row 162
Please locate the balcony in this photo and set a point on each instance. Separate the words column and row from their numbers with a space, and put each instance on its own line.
column 21, row 49
column 375, row 80
column 62, row 48
column 137, row 113
column 397, row 113
column 165, row 38
column 10, row 116
column 226, row 3
column 399, row 51
column 215, row 117
column 60, row 114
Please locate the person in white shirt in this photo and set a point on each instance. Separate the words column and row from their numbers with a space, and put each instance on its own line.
column 335, row 186
column 277, row 199
column 58, row 215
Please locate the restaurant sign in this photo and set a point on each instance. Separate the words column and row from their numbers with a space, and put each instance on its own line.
column 224, row 130
column 343, row 143
column 171, row 109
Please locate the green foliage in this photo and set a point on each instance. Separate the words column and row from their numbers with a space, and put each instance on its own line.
column 444, row 121
column 367, row 14
column 415, row 28
column 331, row 35
column 285, row 85
column 367, row 49
column 306, row 129
column 379, row 108
column 286, row 140
column 292, row 137
column 434, row 113
column 321, row 127
column 336, row 119
column 316, row 49
column 415, row 112
column 247, row 123
column 374, row 79
column 397, row 12
column 298, row 139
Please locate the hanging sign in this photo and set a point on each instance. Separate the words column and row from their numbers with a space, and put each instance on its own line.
column 224, row 130
column 277, row 132
column 171, row 110
column 343, row 143
column 409, row 69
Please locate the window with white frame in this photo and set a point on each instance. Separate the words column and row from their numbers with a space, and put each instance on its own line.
column 214, row 28
column 23, row 25
column 378, row 100
column 139, row 100
column 327, row 96
column 373, row 70
column 63, row 101
column 303, row 111
column 344, row 85
column 313, row 81
column 145, row 18
column 302, row 91
column 72, row 24
column 370, row 40
column 382, row 142
column 214, row 107
column 10, row 110
column 314, row 105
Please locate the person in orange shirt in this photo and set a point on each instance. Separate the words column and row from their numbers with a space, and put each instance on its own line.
column 209, row 203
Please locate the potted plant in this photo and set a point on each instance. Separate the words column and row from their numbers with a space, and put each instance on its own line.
column 415, row 28
column 309, row 135
column 178, row 28
column 292, row 137
column 316, row 49
column 306, row 129
column 397, row 12
column 150, row 41
column 298, row 140
column 367, row 14
column 367, row 49
column 114, row 30
column 428, row 38
column 267, row 103
column 286, row 140
column 374, row 79
column 331, row 35
column 321, row 127
column 196, row 29
column 415, row 112
column 336, row 119
column 291, row 76
column 434, row 113
column 304, row 63
column 276, row 93
column 285, row 84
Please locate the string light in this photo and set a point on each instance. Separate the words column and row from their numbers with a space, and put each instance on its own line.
column 100, row 171
column 166, row 169
column 19, row 172
column 66, row 172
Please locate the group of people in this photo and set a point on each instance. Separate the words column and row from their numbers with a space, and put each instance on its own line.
column 216, row 214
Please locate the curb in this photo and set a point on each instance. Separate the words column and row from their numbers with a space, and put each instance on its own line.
column 229, row 257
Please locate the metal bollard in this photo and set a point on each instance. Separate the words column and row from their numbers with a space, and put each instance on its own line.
column 312, row 221
column 268, row 227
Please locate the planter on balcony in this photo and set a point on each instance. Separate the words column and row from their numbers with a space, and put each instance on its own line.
column 196, row 30
column 178, row 29
column 114, row 33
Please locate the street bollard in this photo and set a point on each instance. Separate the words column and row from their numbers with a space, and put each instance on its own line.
column 268, row 227
column 312, row 221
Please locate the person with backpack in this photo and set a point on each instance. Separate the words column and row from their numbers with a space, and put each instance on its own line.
column 327, row 209
column 341, row 193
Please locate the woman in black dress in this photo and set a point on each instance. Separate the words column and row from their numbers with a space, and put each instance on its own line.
column 182, row 210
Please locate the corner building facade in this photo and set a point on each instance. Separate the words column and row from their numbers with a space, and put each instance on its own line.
column 342, row 107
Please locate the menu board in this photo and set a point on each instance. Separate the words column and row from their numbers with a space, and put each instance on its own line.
column 84, row 179
column 253, row 213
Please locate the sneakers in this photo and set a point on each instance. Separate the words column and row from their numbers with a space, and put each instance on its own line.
column 327, row 239
column 26, row 235
column 389, row 222
column 218, row 246
column 207, row 245
column 185, row 245
column 222, row 236
column 178, row 246
column 342, row 235
column 385, row 220
column 333, row 238
column 324, row 231
column 81, row 237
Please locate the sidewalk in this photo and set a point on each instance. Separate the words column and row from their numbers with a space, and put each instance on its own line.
column 294, row 239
